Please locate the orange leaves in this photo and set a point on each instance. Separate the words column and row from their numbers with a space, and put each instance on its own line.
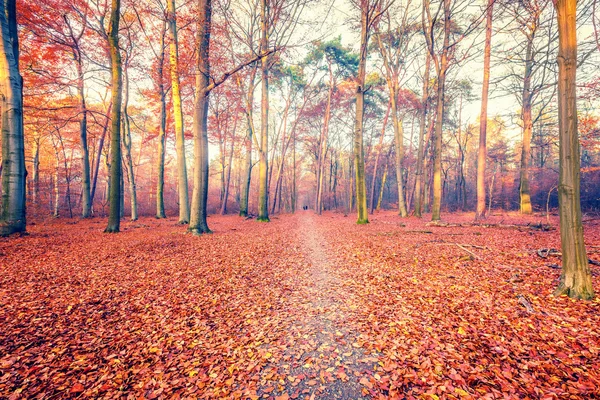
column 287, row 312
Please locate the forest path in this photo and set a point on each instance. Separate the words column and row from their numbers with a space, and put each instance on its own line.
column 328, row 347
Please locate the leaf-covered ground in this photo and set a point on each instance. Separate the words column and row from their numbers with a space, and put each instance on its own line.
column 304, row 307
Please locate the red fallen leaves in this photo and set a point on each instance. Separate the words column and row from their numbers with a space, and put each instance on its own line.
column 259, row 312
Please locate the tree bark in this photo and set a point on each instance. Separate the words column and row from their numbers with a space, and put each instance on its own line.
column 263, row 188
column 86, row 204
column 99, row 155
column 114, row 216
column 162, row 137
column 422, row 128
column 198, row 224
column 14, row 174
column 127, row 144
column 437, row 143
column 482, row 151
column 358, row 150
column 576, row 279
column 378, row 155
column 182, row 179
column 527, row 131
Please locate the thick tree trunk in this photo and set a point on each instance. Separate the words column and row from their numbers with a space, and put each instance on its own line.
column 482, row 152
column 576, row 280
column 422, row 127
column 114, row 216
column 13, row 140
column 359, row 154
column 198, row 224
column 263, row 187
column 182, row 180
column 527, row 131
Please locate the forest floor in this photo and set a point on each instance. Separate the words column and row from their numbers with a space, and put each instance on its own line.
column 307, row 307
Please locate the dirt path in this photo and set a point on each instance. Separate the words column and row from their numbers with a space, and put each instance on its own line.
column 330, row 365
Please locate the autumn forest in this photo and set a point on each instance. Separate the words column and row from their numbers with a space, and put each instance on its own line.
column 300, row 199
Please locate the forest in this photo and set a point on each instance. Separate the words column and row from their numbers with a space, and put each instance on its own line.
column 300, row 199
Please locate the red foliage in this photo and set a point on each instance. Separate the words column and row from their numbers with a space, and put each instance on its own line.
column 292, row 309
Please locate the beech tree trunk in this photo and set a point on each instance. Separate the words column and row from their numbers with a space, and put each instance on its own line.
column 482, row 151
column 127, row 145
column 13, row 140
column 182, row 179
column 114, row 216
column 378, row 156
column 576, row 280
column 358, row 150
column 99, row 155
column 198, row 224
column 86, row 204
column 263, row 167
column 245, row 192
column 162, row 138
column 437, row 143
column 422, row 127
column 527, row 131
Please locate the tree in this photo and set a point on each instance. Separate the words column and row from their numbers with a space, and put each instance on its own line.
column 263, row 163
column 370, row 12
column 114, row 217
column 13, row 140
column 482, row 152
column 576, row 279
column 440, row 61
column 198, row 224
column 393, row 44
column 182, row 180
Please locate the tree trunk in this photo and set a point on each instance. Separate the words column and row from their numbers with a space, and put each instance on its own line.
column 86, row 204
column 576, row 280
column 228, row 173
column 399, row 140
column 13, row 140
column 527, row 131
column 36, row 168
column 263, row 188
column 323, row 144
column 198, row 224
column 437, row 143
column 162, row 140
column 378, row 155
column 182, row 180
column 245, row 193
column 114, row 217
column 422, row 127
column 482, row 152
column 99, row 155
column 359, row 155
column 127, row 145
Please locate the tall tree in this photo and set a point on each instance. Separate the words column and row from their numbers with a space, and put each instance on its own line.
column 182, row 180
column 13, row 141
column 482, row 152
column 370, row 12
column 114, row 216
column 263, row 163
column 422, row 142
column 576, row 279
column 440, row 61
